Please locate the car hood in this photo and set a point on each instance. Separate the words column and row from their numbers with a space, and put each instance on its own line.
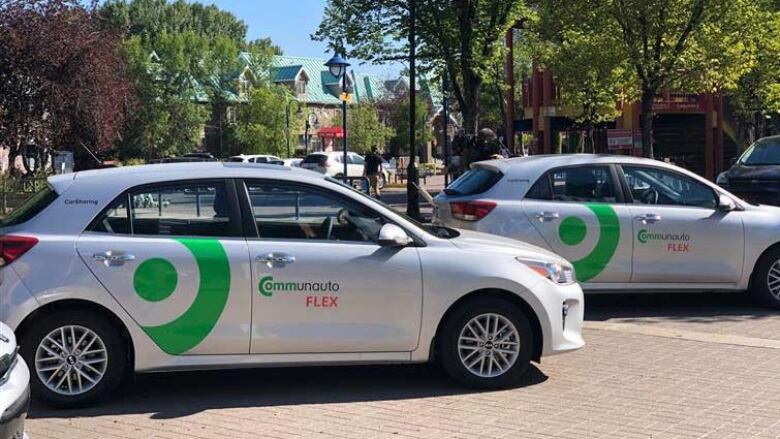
column 768, row 172
column 484, row 242
column 7, row 340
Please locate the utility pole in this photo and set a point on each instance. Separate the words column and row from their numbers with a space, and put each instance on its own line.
column 412, row 180
column 344, row 122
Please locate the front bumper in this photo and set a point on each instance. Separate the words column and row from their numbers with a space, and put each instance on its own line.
column 15, row 401
column 565, row 310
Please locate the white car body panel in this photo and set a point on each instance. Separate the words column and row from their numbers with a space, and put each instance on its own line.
column 259, row 331
column 722, row 249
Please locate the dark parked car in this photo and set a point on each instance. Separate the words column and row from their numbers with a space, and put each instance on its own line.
column 755, row 176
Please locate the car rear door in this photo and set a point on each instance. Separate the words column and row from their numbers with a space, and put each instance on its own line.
column 321, row 281
column 174, row 257
column 580, row 212
column 680, row 234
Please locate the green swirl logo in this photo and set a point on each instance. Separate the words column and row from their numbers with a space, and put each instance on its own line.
column 573, row 230
column 156, row 279
column 642, row 236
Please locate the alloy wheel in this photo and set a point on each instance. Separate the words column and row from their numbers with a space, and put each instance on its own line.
column 773, row 280
column 71, row 360
column 488, row 345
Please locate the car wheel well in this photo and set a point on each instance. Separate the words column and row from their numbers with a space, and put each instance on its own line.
column 536, row 327
column 772, row 247
column 77, row 304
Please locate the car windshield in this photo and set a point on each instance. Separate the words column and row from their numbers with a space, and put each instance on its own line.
column 475, row 181
column 437, row 231
column 763, row 153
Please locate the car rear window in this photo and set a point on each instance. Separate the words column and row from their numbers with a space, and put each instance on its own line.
column 475, row 181
column 315, row 158
column 30, row 208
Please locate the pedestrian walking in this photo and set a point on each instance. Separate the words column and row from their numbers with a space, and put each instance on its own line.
column 372, row 169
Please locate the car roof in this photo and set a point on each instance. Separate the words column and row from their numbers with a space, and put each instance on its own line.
column 538, row 164
column 129, row 176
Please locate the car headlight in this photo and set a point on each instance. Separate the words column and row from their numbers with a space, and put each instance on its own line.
column 561, row 274
column 722, row 179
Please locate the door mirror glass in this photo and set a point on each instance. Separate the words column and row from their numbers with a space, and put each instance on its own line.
column 393, row 236
column 726, row 204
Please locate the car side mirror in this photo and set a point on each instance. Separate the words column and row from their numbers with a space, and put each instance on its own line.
column 393, row 236
column 726, row 204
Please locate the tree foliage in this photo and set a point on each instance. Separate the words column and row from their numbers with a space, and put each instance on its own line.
column 365, row 130
column 686, row 45
column 62, row 83
column 461, row 38
column 262, row 123
column 398, row 117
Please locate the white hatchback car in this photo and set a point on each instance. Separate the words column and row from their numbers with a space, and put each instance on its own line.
column 331, row 163
column 626, row 223
column 222, row 265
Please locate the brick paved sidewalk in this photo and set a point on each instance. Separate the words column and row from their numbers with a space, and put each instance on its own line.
column 621, row 385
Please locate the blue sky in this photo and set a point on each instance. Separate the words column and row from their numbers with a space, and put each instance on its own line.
column 290, row 23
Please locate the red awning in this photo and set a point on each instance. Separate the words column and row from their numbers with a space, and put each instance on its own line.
column 331, row 133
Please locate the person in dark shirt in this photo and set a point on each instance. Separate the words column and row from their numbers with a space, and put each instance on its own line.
column 372, row 169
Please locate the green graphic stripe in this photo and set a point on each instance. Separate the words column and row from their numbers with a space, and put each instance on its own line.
column 609, row 235
column 192, row 327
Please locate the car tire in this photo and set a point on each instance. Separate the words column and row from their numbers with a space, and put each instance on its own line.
column 96, row 365
column 765, row 285
column 457, row 333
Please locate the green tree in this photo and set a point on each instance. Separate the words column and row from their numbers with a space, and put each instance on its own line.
column 365, row 130
column 184, row 59
column 590, row 66
column 461, row 38
column 399, row 122
column 688, row 45
column 261, row 126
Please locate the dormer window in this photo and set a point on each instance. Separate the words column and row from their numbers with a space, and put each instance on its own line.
column 301, row 85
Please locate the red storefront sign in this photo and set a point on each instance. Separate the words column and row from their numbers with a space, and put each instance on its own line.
column 331, row 133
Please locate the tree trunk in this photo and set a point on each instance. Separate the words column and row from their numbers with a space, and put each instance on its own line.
column 591, row 143
column 646, row 121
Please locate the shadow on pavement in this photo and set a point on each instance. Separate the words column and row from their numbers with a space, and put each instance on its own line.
column 687, row 307
column 178, row 394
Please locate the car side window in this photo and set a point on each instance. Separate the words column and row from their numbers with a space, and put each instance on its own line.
column 650, row 185
column 188, row 209
column 291, row 211
column 576, row 184
column 356, row 159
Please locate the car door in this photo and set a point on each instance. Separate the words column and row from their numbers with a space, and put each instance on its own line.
column 580, row 213
column 355, row 166
column 322, row 283
column 174, row 257
column 680, row 234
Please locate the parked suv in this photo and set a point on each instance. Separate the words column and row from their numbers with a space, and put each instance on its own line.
column 755, row 176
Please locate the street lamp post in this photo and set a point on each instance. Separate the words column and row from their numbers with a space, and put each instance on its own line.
column 338, row 68
column 445, row 104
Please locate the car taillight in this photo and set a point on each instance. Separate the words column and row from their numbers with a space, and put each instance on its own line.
column 12, row 247
column 471, row 210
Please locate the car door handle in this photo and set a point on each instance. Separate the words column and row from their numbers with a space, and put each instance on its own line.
column 546, row 217
column 113, row 258
column 275, row 259
column 649, row 218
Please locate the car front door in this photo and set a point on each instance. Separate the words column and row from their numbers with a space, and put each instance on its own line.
column 173, row 256
column 322, row 283
column 680, row 234
column 580, row 213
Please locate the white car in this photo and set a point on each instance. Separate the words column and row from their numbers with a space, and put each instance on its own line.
column 14, row 387
column 331, row 163
column 237, row 265
column 256, row 158
column 293, row 163
column 625, row 223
